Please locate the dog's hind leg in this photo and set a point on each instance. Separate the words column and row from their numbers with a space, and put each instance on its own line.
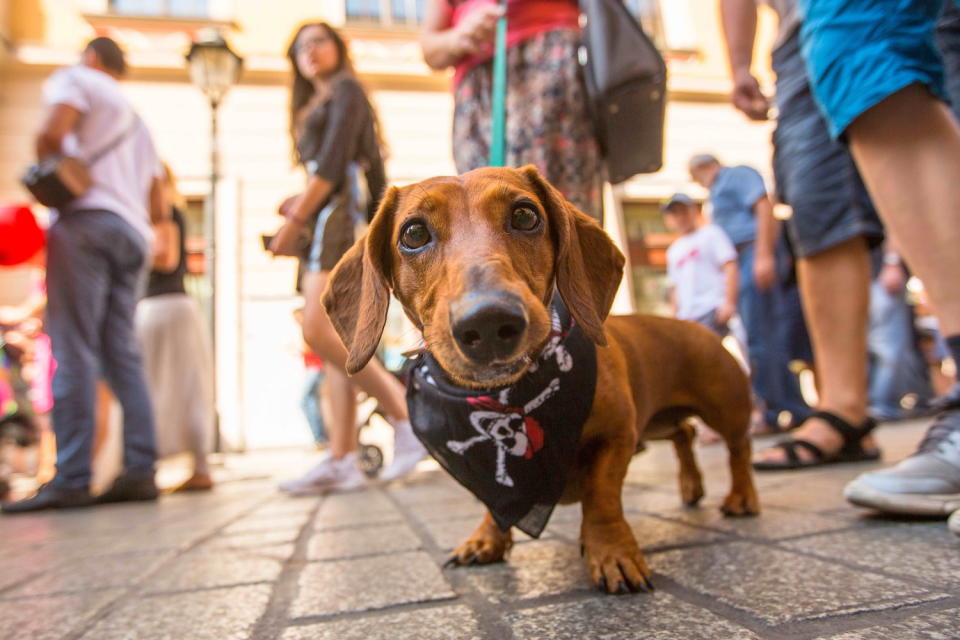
column 732, row 425
column 691, row 482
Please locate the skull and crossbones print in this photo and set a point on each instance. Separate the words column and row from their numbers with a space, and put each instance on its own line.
column 554, row 347
column 512, row 429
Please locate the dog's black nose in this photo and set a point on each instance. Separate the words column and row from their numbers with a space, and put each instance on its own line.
column 489, row 329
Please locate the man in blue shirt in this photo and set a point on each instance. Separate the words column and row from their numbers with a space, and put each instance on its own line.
column 740, row 206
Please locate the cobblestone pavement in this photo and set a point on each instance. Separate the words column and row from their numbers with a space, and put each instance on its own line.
column 246, row 562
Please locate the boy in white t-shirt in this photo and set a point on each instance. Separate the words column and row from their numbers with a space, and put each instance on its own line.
column 701, row 266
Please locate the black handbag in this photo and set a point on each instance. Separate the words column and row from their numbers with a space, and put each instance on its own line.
column 57, row 180
column 626, row 81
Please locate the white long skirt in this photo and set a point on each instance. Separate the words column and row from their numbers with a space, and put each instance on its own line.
column 178, row 363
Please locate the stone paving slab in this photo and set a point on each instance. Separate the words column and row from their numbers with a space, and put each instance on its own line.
column 774, row 523
column 205, row 568
column 349, row 543
column 259, row 522
column 942, row 625
column 924, row 551
column 355, row 509
column 94, row 572
column 778, row 586
column 49, row 617
column 459, row 508
column 657, row 617
column 369, row 583
column 218, row 614
column 437, row 623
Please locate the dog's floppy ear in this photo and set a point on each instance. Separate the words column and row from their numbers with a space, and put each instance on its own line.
column 589, row 266
column 357, row 295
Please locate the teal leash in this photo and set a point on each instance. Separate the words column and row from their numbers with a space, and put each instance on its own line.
column 498, row 142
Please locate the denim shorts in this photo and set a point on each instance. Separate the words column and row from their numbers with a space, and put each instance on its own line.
column 815, row 174
column 333, row 235
column 860, row 52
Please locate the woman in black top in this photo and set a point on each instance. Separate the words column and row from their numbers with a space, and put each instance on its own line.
column 334, row 129
column 177, row 357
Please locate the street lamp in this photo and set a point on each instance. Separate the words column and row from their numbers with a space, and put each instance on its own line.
column 214, row 68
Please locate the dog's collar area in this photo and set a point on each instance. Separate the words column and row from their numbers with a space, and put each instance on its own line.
column 511, row 446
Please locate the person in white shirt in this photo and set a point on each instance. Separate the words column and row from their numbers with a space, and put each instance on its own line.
column 98, row 248
column 701, row 266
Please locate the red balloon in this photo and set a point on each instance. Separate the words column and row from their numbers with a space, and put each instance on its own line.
column 20, row 235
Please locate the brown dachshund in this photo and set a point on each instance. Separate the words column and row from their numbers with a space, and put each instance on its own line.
column 506, row 237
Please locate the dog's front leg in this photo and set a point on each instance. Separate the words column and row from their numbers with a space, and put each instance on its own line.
column 487, row 544
column 613, row 557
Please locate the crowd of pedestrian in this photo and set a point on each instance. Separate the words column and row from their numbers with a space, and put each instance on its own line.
column 865, row 158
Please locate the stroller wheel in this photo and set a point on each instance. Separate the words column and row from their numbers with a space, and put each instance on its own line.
column 371, row 459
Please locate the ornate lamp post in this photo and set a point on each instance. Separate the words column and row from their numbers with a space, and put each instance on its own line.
column 214, row 68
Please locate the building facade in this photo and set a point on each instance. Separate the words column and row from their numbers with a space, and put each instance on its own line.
column 259, row 370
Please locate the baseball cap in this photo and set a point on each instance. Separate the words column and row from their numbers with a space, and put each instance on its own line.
column 675, row 199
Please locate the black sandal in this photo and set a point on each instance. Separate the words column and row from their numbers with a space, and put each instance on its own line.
column 851, row 451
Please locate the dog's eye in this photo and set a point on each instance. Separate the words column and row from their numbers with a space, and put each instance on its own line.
column 414, row 236
column 524, row 219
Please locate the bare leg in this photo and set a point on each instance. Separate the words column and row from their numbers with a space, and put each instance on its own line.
column 323, row 339
column 342, row 404
column 835, row 290
column 908, row 151
column 102, row 416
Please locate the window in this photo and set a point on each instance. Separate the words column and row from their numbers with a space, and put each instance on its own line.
column 647, row 242
column 395, row 13
column 166, row 8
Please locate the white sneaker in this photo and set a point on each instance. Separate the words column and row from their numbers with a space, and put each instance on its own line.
column 954, row 523
column 331, row 475
column 926, row 483
column 407, row 452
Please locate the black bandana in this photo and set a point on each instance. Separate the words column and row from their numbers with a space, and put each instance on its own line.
column 513, row 446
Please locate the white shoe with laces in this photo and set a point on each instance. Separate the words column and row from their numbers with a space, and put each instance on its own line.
column 954, row 523
column 330, row 476
column 407, row 452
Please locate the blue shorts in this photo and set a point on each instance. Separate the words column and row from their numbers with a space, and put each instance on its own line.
column 815, row 174
column 859, row 52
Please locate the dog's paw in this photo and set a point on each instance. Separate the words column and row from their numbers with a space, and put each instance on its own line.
column 480, row 550
column 618, row 568
column 738, row 504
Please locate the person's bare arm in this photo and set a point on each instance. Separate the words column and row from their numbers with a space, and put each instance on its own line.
column 764, row 265
column 672, row 300
column 158, row 205
column 443, row 45
column 298, row 212
column 731, row 284
column 61, row 119
column 739, row 18
column 166, row 248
